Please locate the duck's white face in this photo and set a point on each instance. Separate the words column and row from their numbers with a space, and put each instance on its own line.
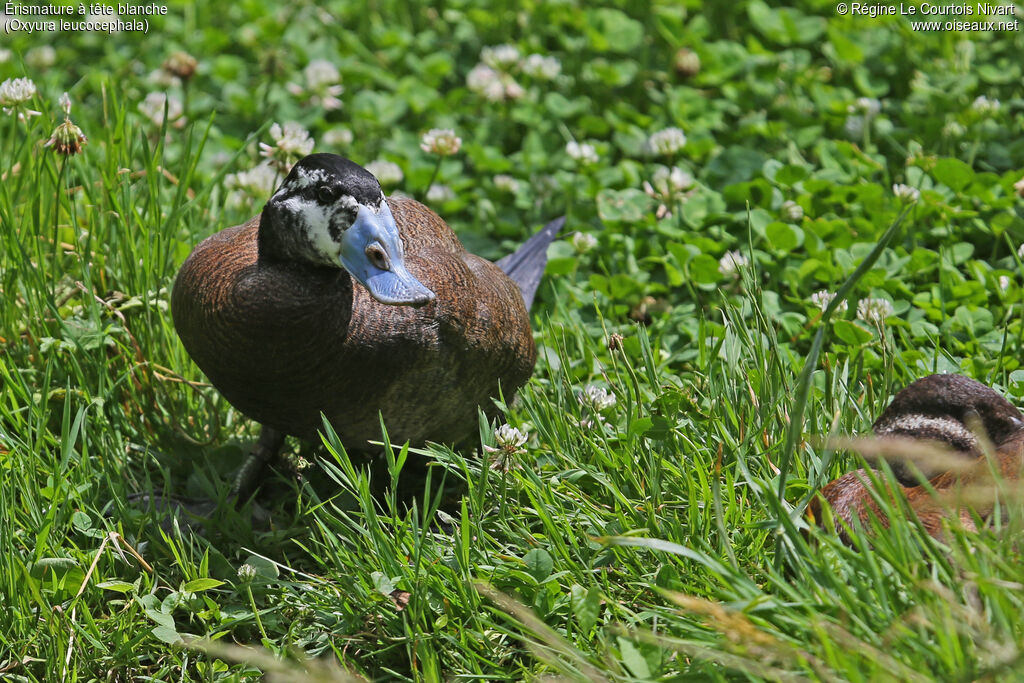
column 332, row 212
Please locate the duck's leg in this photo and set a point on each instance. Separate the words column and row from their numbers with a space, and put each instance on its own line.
column 266, row 450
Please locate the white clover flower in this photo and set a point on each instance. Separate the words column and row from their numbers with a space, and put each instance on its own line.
column 153, row 107
column 440, row 193
column 509, row 441
column 582, row 152
column 791, row 211
column 292, row 139
column 1019, row 187
column 40, row 58
column 485, row 81
column 985, row 106
column 729, row 265
column 291, row 143
column 338, row 137
column 596, row 398
column 540, row 67
column 246, row 573
column 953, row 130
column 1004, row 283
column 323, row 84
column 16, row 91
column 583, row 242
column 441, row 141
column 906, row 193
column 667, row 183
column 509, row 438
column 823, row 298
column 868, row 106
column 257, row 183
column 666, row 142
column 668, row 186
column 493, row 85
column 854, row 126
column 67, row 139
column 506, row 183
column 500, row 57
column 321, row 73
column 386, row 172
column 874, row 311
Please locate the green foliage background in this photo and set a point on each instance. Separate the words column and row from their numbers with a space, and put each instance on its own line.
column 644, row 540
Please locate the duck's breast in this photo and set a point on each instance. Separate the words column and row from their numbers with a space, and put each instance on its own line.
column 480, row 332
column 268, row 336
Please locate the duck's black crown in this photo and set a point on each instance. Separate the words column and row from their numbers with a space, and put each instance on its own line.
column 351, row 178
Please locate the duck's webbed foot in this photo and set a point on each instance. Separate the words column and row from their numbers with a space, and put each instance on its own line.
column 266, row 451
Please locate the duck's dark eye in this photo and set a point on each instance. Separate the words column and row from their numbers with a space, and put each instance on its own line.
column 327, row 193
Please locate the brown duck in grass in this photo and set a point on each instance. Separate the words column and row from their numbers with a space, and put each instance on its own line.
column 335, row 300
column 949, row 410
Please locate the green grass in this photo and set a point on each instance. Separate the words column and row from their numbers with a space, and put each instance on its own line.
column 658, row 538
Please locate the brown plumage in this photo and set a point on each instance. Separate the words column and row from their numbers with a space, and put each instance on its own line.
column 285, row 338
column 948, row 410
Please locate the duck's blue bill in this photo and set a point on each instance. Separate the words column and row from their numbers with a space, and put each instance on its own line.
column 391, row 284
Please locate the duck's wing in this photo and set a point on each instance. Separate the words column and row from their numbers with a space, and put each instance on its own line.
column 526, row 265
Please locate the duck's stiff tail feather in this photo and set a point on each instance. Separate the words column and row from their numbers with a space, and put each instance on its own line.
column 526, row 265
